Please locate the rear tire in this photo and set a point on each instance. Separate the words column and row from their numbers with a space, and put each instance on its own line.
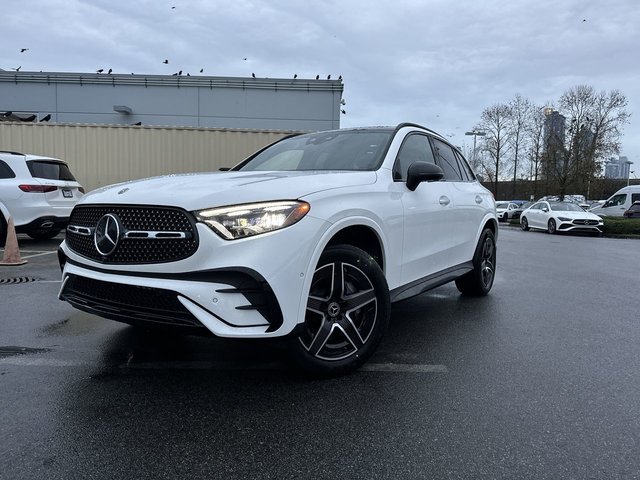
column 3, row 230
column 524, row 224
column 347, row 313
column 44, row 234
column 478, row 282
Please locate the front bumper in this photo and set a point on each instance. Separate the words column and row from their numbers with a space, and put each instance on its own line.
column 580, row 225
column 241, row 288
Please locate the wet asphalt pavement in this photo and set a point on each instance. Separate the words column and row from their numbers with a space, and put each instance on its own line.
column 539, row 380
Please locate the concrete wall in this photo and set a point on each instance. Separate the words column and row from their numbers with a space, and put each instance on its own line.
column 194, row 101
column 100, row 155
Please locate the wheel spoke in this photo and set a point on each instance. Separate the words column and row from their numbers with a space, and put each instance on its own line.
column 350, row 332
column 321, row 337
column 358, row 300
column 337, row 281
column 317, row 304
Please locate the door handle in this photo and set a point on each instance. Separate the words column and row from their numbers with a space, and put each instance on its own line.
column 478, row 199
column 444, row 201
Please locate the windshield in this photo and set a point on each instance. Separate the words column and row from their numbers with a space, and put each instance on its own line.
column 502, row 205
column 336, row 150
column 565, row 207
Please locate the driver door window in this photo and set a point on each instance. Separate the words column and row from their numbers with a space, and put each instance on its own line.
column 415, row 148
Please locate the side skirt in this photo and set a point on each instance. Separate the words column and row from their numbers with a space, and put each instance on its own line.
column 432, row 281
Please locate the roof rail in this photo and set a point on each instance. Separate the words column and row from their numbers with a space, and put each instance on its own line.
column 11, row 153
column 409, row 124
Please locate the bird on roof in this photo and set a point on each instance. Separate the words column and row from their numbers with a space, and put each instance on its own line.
column 46, row 118
column 317, row 77
column 18, row 69
column 8, row 114
column 30, row 118
column 166, row 61
column 201, row 70
column 253, row 75
column 179, row 72
column 328, row 77
column 295, row 76
column 344, row 112
column 138, row 123
column 22, row 50
column 340, row 77
column 100, row 70
column 110, row 70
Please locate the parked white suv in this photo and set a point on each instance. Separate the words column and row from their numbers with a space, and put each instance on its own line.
column 39, row 193
column 310, row 239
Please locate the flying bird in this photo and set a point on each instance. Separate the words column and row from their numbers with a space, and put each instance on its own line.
column 245, row 59
column 100, row 70
column 46, row 118
column 584, row 19
column 22, row 50
column 201, row 70
column 166, row 62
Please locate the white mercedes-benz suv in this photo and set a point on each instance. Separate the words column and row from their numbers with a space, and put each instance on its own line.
column 309, row 239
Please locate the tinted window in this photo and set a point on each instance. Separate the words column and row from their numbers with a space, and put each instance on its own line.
column 446, row 159
column 635, row 208
column 465, row 168
column 635, row 197
column 5, row 171
column 50, row 170
column 347, row 150
column 415, row 148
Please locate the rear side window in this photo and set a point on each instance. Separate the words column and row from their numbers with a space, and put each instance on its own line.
column 635, row 197
column 465, row 168
column 50, row 170
column 446, row 160
column 5, row 171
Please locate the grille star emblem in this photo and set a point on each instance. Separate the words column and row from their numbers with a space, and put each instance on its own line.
column 107, row 234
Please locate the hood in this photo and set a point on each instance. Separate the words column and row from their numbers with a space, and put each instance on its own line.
column 204, row 190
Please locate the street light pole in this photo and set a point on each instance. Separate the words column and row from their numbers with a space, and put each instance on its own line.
column 475, row 133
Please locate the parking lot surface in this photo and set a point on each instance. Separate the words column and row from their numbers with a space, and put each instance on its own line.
column 538, row 380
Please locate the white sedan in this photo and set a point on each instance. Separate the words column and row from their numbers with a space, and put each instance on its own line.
column 560, row 217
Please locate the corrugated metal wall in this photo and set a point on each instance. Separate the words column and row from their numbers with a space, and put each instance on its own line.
column 100, row 155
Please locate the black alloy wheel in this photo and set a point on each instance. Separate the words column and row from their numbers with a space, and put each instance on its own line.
column 348, row 310
column 3, row 230
column 524, row 224
column 478, row 282
column 551, row 226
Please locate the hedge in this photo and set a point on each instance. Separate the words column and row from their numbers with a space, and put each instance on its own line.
column 621, row 226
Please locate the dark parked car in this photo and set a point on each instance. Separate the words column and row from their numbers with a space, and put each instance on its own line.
column 633, row 211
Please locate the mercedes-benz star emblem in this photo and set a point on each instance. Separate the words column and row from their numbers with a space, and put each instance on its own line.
column 334, row 309
column 107, row 234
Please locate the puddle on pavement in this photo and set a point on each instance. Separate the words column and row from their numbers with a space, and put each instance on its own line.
column 78, row 324
column 9, row 351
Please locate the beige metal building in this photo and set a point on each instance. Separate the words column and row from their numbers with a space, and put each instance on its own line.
column 100, row 155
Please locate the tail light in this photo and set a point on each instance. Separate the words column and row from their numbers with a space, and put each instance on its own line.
column 37, row 188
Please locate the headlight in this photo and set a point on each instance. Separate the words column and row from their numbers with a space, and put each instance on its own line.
column 564, row 219
column 240, row 221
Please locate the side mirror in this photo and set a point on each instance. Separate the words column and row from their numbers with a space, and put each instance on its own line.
column 422, row 172
column 545, row 209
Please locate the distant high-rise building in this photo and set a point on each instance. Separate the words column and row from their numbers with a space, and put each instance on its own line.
column 618, row 168
column 554, row 126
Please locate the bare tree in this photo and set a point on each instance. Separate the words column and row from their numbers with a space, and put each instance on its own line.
column 495, row 122
column 520, row 110
column 536, row 144
column 596, row 120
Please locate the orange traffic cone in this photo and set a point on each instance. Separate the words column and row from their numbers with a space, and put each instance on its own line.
column 11, row 255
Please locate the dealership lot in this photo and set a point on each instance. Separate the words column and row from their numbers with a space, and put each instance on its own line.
column 537, row 380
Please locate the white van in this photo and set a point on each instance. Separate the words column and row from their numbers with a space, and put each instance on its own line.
column 618, row 202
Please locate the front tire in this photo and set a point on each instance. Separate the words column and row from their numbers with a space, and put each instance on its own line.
column 478, row 282
column 347, row 313
column 551, row 226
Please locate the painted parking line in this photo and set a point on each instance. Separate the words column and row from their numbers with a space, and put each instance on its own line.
column 37, row 254
column 29, row 361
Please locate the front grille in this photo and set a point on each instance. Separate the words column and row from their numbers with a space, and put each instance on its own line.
column 581, row 221
column 127, row 303
column 134, row 218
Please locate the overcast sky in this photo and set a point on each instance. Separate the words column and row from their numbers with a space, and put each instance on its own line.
column 435, row 62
